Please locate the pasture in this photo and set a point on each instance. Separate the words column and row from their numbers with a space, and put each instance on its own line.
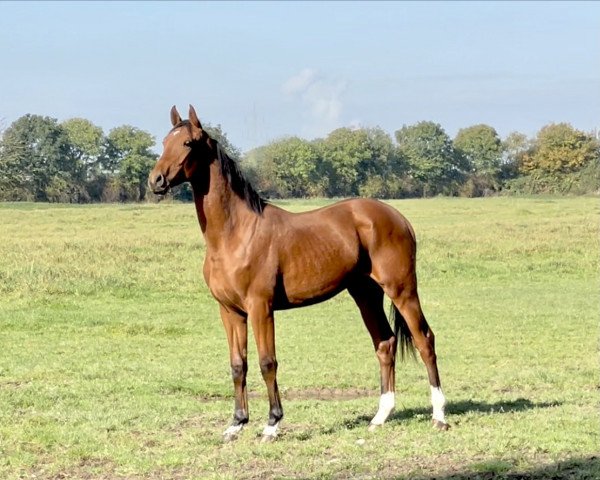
column 114, row 363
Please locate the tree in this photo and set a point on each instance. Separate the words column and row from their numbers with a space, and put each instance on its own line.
column 514, row 148
column 353, row 158
column 481, row 149
column 561, row 160
column 385, row 175
column 128, row 155
column 85, row 145
column 259, row 169
column 15, row 182
column 34, row 161
column 290, row 165
column 560, row 149
column 432, row 161
column 342, row 152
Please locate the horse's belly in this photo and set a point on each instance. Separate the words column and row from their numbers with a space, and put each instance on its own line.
column 313, row 281
column 285, row 303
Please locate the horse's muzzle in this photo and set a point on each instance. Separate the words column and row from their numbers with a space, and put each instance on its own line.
column 158, row 184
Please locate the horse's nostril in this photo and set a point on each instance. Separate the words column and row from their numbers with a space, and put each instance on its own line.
column 159, row 181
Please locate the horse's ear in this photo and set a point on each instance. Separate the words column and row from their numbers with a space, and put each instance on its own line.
column 175, row 117
column 194, row 118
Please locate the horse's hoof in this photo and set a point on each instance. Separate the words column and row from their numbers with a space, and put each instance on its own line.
column 268, row 438
column 232, row 433
column 373, row 427
column 440, row 425
column 230, row 437
column 269, row 433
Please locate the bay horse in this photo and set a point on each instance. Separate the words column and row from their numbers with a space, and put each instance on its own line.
column 261, row 258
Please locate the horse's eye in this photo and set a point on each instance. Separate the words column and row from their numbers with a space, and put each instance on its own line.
column 188, row 143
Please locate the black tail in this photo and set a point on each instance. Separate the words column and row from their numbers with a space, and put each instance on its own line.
column 404, row 338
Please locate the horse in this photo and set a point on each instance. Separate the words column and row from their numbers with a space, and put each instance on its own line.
column 261, row 258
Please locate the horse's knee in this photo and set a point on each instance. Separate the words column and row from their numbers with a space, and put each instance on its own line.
column 268, row 365
column 238, row 370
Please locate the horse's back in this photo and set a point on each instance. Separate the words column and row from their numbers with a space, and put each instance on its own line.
column 358, row 223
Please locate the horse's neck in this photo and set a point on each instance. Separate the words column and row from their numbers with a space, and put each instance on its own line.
column 219, row 209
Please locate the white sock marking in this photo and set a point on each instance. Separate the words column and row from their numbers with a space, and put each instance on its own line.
column 386, row 405
column 233, row 430
column 271, row 430
column 438, row 401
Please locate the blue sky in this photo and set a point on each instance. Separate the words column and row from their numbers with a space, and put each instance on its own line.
column 269, row 69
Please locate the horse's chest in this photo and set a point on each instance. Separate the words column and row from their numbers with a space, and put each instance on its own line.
column 226, row 280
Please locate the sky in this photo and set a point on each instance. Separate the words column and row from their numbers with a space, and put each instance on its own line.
column 265, row 70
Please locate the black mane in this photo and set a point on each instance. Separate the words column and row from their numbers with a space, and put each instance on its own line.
column 240, row 186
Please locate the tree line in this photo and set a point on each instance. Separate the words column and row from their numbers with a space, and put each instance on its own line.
column 424, row 161
column 42, row 159
column 73, row 161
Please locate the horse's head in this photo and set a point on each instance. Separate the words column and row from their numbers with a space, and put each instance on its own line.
column 177, row 164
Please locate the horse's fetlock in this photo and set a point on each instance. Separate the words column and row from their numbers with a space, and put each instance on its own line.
column 275, row 415
column 240, row 417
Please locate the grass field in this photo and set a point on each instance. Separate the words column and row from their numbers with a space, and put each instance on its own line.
column 113, row 362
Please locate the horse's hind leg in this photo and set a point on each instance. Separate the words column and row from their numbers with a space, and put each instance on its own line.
column 369, row 298
column 406, row 300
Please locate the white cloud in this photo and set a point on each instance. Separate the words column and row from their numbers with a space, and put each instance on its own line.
column 300, row 82
column 320, row 98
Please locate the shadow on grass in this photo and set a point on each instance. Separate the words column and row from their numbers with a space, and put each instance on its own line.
column 573, row 469
column 453, row 408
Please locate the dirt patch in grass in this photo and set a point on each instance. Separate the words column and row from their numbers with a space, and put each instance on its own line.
column 85, row 469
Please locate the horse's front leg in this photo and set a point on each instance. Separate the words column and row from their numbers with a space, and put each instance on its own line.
column 237, row 336
column 263, row 325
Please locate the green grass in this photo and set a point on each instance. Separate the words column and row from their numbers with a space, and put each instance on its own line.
column 113, row 362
